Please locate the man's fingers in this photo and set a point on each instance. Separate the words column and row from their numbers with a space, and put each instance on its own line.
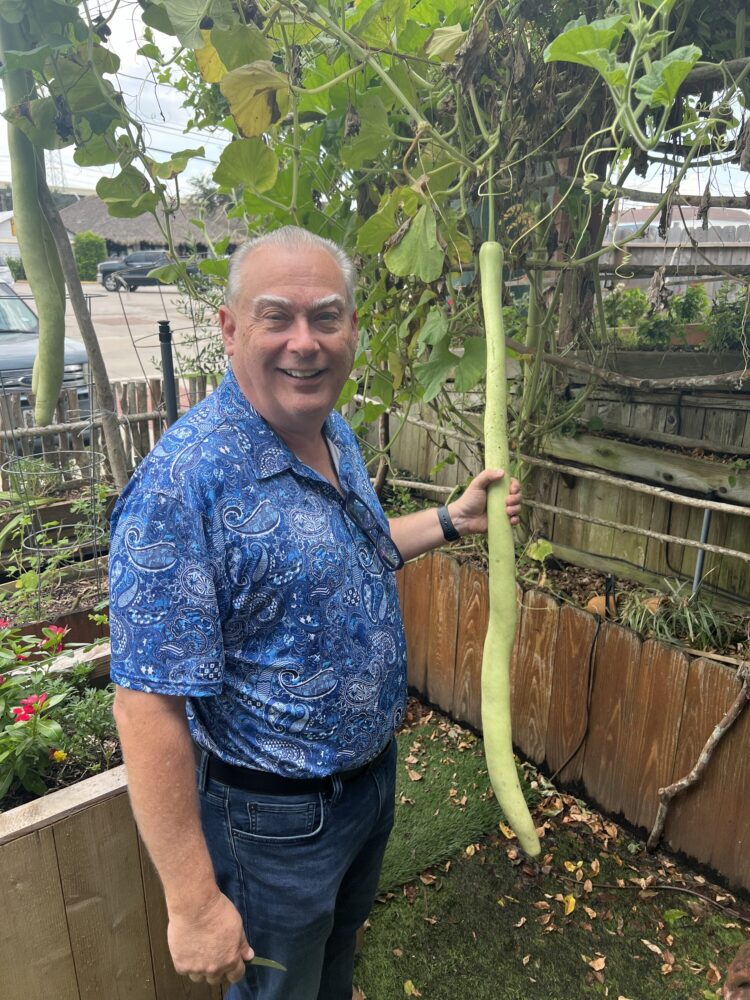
column 237, row 974
column 247, row 952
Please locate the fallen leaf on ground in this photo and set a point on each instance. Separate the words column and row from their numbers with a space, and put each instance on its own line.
column 410, row 989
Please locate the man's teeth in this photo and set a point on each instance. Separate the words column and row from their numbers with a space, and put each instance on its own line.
column 305, row 374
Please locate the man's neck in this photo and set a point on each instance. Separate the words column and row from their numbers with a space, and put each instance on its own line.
column 312, row 450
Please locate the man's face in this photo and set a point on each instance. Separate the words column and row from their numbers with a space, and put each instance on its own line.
column 290, row 336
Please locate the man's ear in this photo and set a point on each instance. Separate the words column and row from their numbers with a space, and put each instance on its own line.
column 355, row 327
column 228, row 326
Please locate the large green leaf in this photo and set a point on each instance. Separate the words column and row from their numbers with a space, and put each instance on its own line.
column 432, row 374
column 418, row 253
column 247, row 162
column 445, row 42
column 97, row 151
column 258, row 96
column 34, row 59
column 373, row 136
column 613, row 71
column 241, row 45
column 660, row 85
column 128, row 194
column 13, row 11
column 372, row 234
column 154, row 15
column 472, row 367
column 186, row 16
column 381, row 21
column 435, row 327
column 578, row 39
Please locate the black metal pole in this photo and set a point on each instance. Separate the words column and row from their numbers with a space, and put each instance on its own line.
column 701, row 552
column 170, row 396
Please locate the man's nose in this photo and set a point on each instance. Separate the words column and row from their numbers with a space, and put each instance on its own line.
column 302, row 338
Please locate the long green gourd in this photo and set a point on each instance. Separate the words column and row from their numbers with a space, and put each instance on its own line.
column 40, row 260
column 498, row 645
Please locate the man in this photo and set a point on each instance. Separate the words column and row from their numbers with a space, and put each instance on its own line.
column 254, row 615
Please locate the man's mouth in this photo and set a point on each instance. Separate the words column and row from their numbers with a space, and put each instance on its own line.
column 297, row 373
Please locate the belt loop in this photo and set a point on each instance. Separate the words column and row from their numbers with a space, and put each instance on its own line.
column 202, row 771
column 336, row 786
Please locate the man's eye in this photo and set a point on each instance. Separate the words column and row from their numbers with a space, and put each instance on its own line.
column 328, row 317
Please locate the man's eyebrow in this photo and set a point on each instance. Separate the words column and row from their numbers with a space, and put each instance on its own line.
column 263, row 301
column 270, row 300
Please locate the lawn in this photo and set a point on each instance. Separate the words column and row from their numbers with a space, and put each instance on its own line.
column 464, row 916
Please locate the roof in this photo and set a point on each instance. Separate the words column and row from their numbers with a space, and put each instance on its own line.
column 90, row 214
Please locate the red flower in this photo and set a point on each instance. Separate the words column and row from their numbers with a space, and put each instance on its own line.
column 21, row 657
column 2, row 679
column 4, row 622
column 21, row 714
column 59, row 629
column 34, row 701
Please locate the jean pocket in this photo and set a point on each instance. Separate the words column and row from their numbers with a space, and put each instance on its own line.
column 278, row 819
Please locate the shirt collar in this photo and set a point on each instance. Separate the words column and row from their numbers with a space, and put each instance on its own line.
column 270, row 454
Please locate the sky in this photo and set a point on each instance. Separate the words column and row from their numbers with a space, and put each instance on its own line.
column 158, row 106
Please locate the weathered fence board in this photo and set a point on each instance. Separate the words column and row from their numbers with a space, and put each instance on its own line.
column 443, row 630
column 417, row 607
column 531, row 674
column 168, row 985
column 616, row 662
column 472, row 628
column 31, row 901
column 571, row 676
column 98, row 848
column 696, row 816
column 654, row 714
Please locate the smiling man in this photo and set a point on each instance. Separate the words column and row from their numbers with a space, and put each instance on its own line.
column 257, row 641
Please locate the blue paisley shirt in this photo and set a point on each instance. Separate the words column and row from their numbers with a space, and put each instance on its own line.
column 237, row 579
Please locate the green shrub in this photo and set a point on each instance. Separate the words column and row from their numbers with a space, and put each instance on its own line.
column 691, row 307
column 89, row 250
column 16, row 268
column 729, row 320
column 655, row 332
column 625, row 307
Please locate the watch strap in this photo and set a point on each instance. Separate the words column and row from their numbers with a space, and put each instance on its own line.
column 449, row 529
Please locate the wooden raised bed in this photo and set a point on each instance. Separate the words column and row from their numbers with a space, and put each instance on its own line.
column 82, row 908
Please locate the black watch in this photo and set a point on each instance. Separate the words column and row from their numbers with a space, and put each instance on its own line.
column 449, row 529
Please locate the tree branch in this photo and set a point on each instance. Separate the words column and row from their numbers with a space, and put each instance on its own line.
column 667, row 794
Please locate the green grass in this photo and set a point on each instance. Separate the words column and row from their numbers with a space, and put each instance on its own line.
column 449, row 805
column 488, row 925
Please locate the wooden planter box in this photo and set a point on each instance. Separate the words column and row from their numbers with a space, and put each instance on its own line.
column 83, row 915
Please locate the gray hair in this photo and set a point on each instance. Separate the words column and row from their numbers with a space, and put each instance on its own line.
column 291, row 238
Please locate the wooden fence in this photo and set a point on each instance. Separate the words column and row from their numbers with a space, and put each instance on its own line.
column 617, row 716
column 141, row 410
column 83, row 911
column 712, row 432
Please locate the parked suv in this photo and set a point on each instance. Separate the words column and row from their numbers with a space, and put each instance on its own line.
column 19, row 342
column 132, row 271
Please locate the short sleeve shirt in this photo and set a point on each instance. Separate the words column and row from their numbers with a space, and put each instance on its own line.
column 237, row 579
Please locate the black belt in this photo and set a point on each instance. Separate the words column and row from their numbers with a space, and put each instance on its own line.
column 265, row 782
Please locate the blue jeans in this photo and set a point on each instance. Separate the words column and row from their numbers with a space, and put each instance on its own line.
column 303, row 871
